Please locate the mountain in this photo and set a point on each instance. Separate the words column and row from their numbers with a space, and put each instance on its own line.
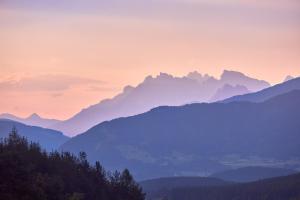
column 238, row 78
column 288, row 78
column 268, row 93
column 175, row 182
column 160, row 187
column 285, row 187
column 33, row 120
column 249, row 174
column 47, row 138
column 198, row 139
column 157, row 91
column 228, row 91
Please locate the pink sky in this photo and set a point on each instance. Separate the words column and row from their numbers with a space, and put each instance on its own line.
column 57, row 57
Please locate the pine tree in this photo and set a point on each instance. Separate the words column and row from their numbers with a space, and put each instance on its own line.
column 29, row 173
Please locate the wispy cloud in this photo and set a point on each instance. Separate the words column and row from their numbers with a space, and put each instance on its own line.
column 101, row 89
column 47, row 83
column 55, row 95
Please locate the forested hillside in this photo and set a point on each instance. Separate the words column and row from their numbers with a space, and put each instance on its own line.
column 29, row 173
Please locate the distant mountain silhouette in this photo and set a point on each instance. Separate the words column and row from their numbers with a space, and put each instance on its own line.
column 248, row 174
column 157, row 91
column 33, row 120
column 238, row 78
column 288, row 78
column 267, row 93
column 47, row 138
column 198, row 139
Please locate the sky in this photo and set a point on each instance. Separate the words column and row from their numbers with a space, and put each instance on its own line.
column 59, row 56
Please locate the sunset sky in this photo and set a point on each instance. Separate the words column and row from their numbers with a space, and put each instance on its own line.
column 59, row 56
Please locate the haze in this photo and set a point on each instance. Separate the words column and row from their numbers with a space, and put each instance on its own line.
column 59, row 56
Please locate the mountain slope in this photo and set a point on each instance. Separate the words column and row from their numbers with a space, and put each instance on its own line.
column 159, row 188
column 198, row 139
column 268, row 93
column 248, row 174
column 47, row 138
column 157, row 91
column 175, row 182
column 286, row 187
column 32, row 120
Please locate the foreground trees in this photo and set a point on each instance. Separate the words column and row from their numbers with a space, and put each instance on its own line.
column 29, row 173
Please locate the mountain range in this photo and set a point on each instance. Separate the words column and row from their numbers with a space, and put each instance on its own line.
column 48, row 139
column 163, row 89
column 198, row 139
column 32, row 120
column 213, row 139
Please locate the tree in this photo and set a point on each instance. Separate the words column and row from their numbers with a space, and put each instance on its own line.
column 29, row 173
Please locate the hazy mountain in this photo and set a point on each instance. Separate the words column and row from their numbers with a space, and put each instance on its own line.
column 288, row 78
column 33, row 120
column 47, row 138
column 267, row 93
column 157, row 91
column 199, row 77
column 237, row 78
column 285, row 187
column 160, row 187
column 248, row 174
column 228, row 91
column 198, row 139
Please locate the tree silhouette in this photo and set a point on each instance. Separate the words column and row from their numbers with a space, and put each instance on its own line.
column 29, row 173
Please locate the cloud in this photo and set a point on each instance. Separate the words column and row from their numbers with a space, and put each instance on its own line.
column 47, row 83
column 101, row 89
column 55, row 95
